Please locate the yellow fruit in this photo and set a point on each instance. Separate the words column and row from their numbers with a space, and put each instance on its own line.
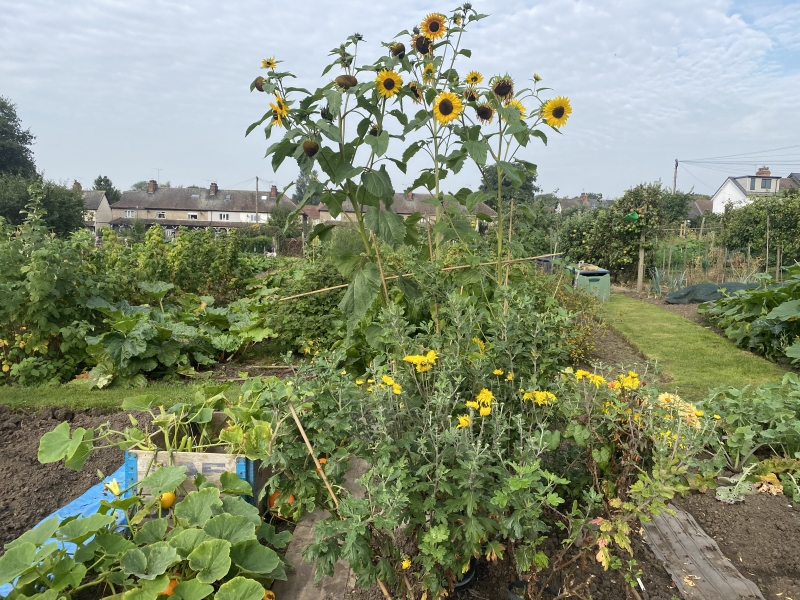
column 269, row 595
column 167, row 500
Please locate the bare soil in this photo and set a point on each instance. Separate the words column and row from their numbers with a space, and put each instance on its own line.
column 32, row 491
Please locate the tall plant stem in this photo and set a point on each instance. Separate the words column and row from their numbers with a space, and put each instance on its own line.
column 380, row 268
column 314, row 456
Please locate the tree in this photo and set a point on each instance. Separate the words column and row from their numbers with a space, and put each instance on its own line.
column 139, row 186
column 525, row 194
column 104, row 183
column 16, row 156
column 63, row 205
column 675, row 207
column 300, row 187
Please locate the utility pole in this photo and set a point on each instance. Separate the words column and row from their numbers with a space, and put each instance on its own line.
column 256, row 199
column 675, row 177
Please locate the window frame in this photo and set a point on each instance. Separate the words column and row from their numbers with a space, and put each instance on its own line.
column 161, row 214
column 768, row 181
column 752, row 183
column 223, row 216
column 130, row 214
column 191, row 217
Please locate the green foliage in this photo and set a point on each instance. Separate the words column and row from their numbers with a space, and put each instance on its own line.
column 16, row 156
column 62, row 206
column 765, row 320
column 301, row 185
column 102, row 182
column 745, row 228
column 140, row 185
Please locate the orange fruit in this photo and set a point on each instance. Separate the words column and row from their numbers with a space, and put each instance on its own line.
column 167, row 500
column 170, row 588
column 273, row 497
column 323, row 461
column 291, row 499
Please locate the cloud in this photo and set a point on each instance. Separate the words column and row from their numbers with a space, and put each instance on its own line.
column 123, row 87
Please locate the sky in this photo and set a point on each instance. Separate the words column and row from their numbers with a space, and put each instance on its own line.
column 146, row 89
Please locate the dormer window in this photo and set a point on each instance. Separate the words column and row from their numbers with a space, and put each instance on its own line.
column 227, row 196
column 752, row 183
column 766, row 184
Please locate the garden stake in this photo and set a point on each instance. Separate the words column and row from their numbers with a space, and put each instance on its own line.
column 384, row 590
column 430, row 254
column 313, row 456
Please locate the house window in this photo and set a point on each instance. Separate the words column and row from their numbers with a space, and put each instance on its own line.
column 227, row 196
column 161, row 215
column 224, row 217
column 130, row 214
column 251, row 218
column 192, row 216
column 195, row 196
column 752, row 183
column 766, row 184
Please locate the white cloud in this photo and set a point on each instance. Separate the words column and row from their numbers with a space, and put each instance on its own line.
column 122, row 87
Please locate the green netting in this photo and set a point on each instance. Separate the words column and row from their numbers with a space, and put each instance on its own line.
column 706, row 292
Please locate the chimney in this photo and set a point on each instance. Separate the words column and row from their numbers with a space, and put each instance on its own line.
column 212, row 190
column 763, row 172
column 273, row 192
column 152, row 186
column 584, row 198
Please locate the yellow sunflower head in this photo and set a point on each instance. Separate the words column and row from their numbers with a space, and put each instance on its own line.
column 519, row 106
column 416, row 91
column 485, row 113
column 429, row 73
column 433, row 26
column 471, row 94
column 277, row 119
column 447, row 107
column 279, row 106
column 555, row 112
column 473, row 78
column 269, row 63
column 398, row 49
column 388, row 83
column 503, row 87
column 422, row 44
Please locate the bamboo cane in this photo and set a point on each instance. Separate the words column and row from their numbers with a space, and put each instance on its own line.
column 313, row 456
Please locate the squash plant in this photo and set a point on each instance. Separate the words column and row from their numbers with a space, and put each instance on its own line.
column 206, row 544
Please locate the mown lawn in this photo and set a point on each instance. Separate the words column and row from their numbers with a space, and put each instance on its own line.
column 692, row 357
column 76, row 395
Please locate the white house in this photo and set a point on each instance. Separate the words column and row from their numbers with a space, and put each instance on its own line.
column 96, row 211
column 738, row 191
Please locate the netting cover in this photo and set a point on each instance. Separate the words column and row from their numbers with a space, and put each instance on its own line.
column 706, row 292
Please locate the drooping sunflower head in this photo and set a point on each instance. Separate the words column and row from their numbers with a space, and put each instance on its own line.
column 310, row 148
column 555, row 112
column 429, row 73
column 503, row 87
column 398, row 49
column 279, row 106
column 473, row 78
column 457, row 20
column 433, row 26
column 447, row 107
column 346, row 81
column 388, row 83
column 537, row 78
column 485, row 113
column 416, row 91
column 422, row 44
column 519, row 106
column 374, row 131
column 326, row 113
column 259, row 83
column 471, row 94
column 269, row 63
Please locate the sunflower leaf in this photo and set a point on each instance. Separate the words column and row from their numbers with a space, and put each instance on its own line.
column 466, row 52
column 334, row 98
column 477, row 151
column 330, row 130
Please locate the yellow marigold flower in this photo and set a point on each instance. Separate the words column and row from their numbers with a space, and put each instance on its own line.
column 699, row 413
column 269, row 63
column 5, row 368
column 405, row 564
column 510, row 377
column 463, row 421
column 388, row 83
column 396, row 389
column 369, row 388
column 486, row 411
column 544, row 398
column 387, row 380
column 447, row 107
column 473, row 404
column 431, row 356
column 370, row 381
column 527, row 396
column 485, row 397
column 555, row 112
column 359, row 382
column 498, row 372
column 597, row 380
column 481, row 344
column 580, row 374
column 717, row 417
column 473, row 78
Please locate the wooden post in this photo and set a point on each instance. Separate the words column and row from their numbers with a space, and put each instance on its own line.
column 640, row 274
column 766, row 264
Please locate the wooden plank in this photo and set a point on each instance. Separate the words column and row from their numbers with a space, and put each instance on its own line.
column 694, row 560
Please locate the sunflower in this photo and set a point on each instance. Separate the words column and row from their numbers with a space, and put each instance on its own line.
column 429, row 73
column 473, row 78
column 398, row 49
column 388, row 83
column 279, row 106
column 536, row 77
column 422, row 44
column 417, row 93
column 447, row 107
column 269, row 63
column 485, row 113
column 556, row 111
column 503, row 87
column 519, row 106
column 433, row 26
column 457, row 20
column 471, row 94
column 277, row 120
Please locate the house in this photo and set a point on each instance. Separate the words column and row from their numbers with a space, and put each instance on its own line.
column 96, row 211
column 311, row 214
column 583, row 200
column 698, row 207
column 195, row 208
column 404, row 205
column 792, row 182
column 737, row 191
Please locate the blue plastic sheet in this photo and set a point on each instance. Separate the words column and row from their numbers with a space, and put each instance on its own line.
column 86, row 504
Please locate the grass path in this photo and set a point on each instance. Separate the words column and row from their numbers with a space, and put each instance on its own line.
column 76, row 395
column 691, row 356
